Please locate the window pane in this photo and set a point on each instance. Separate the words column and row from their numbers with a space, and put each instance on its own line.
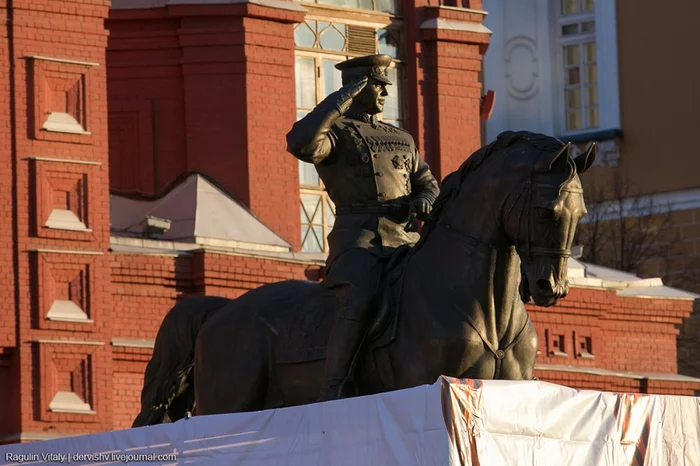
column 362, row 4
column 387, row 43
column 301, row 114
column 591, row 74
column 310, row 243
column 573, row 76
column 569, row 7
column 330, row 213
column 589, row 52
column 332, row 80
column 573, row 120
column 571, row 55
column 569, row 30
column 304, row 36
column 311, row 204
column 588, row 26
column 573, row 98
column 592, row 95
column 593, row 117
column 308, row 175
column 397, row 123
column 333, row 39
column 392, row 104
column 305, row 71
column 588, row 5
column 387, row 6
column 318, row 236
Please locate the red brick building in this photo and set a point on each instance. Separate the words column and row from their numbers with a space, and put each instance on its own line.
column 179, row 109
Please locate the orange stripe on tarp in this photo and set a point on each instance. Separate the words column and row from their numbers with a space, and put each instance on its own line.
column 633, row 422
column 461, row 403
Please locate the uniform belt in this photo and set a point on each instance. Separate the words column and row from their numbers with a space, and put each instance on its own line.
column 378, row 208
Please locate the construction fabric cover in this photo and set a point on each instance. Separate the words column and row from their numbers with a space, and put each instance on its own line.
column 452, row 422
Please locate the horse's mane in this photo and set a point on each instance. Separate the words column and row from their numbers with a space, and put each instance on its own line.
column 452, row 182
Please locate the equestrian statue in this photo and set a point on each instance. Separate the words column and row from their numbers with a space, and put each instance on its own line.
column 396, row 309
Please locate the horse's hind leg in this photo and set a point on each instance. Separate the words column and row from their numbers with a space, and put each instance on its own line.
column 231, row 365
column 519, row 360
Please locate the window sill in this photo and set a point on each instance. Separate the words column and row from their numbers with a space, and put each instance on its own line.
column 59, row 122
column 67, row 311
column 69, row 403
column 595, row 135
column 62, row 219
column 368, row 16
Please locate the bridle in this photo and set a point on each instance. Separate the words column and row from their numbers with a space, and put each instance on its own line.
column 527, row 247
column 526, row 206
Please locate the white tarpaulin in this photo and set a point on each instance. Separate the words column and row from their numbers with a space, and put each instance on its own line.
column 452, row 422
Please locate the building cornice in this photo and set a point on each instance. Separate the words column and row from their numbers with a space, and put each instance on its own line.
column 653, row 204
column 146, row 4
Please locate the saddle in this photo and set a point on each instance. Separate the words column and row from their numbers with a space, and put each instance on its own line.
column 301, row 332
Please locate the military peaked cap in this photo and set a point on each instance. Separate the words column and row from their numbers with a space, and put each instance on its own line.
column 374, row 66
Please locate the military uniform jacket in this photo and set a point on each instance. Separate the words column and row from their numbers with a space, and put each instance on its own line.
column 371, row 171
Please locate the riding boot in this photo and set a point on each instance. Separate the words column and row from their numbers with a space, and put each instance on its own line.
column 342, row 345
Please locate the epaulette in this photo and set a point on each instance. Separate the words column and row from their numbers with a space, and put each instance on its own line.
column 393, row 129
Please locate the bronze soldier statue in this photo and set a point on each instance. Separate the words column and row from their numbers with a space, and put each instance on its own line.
column 376, row 178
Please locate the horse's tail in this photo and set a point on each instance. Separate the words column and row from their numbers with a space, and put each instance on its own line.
column 168, row 389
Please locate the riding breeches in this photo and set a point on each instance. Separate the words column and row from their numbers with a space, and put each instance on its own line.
column 354, row 279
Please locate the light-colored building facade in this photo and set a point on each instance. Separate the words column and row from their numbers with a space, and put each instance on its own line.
column 606, row 71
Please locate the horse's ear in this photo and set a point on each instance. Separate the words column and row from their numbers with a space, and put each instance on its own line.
column 560, row 160
column 585, row 160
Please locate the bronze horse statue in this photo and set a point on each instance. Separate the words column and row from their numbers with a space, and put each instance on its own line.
column 500, row 234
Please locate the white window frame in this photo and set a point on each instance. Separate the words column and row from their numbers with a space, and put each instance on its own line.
column 319, row 190
column 608, row 76
column 318, row 55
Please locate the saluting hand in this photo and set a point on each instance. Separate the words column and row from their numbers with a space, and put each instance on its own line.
column 348, row 92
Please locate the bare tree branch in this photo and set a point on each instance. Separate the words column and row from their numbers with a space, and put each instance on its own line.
column 621, row 230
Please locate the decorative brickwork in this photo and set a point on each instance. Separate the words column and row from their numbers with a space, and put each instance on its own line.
column 65, row 289
column 131, row 145
column 61, row 106
column 624, row 333
column 67, row 382
column 54, row 205
column 62, row 193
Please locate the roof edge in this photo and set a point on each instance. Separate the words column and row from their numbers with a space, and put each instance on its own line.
column 627, row 375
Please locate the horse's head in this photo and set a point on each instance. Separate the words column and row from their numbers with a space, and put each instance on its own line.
column 524, row 192
column 541, row 218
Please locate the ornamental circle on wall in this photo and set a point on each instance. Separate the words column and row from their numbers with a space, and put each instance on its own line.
column 522, row 67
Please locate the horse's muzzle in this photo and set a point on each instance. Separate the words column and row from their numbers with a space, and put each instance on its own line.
column 545, row 295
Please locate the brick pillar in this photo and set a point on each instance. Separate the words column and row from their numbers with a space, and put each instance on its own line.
column 238, row 75
column 9, row 373
column 449, row 59
column 54, row 194
column 7, row 276
column 216, row 96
